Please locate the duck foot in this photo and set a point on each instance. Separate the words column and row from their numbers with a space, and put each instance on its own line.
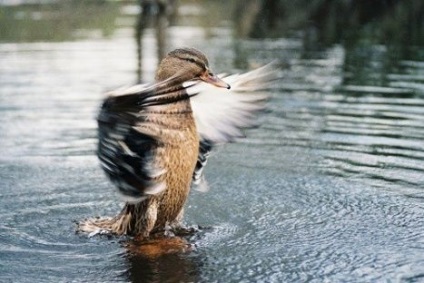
column 183, row 231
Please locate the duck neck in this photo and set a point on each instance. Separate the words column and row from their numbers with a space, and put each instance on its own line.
column 172, row 96
column 170, row 106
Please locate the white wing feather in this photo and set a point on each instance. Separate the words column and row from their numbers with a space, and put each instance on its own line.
column 221, row 114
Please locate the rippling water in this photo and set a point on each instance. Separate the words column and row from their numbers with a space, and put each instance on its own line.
column 329, row 189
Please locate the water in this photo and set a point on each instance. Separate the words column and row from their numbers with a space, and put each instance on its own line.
column 328, row 189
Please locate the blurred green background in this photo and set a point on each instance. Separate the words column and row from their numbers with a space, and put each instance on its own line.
column 325, row 22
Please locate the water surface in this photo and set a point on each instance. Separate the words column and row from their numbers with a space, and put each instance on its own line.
column 328, row 189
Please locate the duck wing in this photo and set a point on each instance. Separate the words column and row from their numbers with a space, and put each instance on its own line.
column 128, row 140
column 221, row 114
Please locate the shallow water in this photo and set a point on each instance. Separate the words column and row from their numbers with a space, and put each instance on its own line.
column 329, row 189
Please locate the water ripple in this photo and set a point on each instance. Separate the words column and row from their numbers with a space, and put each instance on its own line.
column 329, row 189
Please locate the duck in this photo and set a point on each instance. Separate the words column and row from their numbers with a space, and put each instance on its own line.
column 154, row 139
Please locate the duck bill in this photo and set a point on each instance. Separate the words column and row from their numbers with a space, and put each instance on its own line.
column 214, row 80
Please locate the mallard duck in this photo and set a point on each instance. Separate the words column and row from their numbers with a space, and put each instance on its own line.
column 155, row 139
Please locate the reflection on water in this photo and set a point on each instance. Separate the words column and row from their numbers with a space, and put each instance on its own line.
column 170, row 268
column 156, row 15
column 329, row 188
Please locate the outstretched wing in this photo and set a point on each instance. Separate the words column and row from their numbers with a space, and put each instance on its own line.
column 221, row 114
column 128, row 141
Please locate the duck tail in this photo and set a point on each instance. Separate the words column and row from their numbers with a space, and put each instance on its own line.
column 134, row 219
column 118, row 225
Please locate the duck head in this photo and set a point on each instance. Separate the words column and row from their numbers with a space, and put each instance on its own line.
column 188, row 64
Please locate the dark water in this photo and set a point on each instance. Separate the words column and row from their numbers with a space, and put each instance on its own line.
column 329, row 189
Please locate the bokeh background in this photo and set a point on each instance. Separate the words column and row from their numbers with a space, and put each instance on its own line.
column 330, row 188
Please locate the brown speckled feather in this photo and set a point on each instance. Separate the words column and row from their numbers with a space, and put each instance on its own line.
column 154, row 154
column 149, row 140
column 148, row 147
